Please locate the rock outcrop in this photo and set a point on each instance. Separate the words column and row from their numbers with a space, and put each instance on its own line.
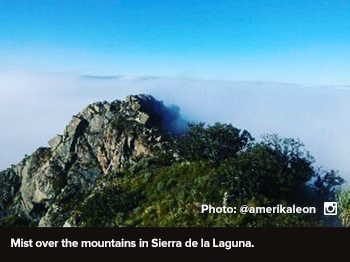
column 102, row 139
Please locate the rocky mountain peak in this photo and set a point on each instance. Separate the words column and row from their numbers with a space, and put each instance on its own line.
column 101, row 139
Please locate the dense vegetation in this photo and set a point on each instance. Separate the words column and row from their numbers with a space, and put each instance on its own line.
column 217, row 165
column 343, row 198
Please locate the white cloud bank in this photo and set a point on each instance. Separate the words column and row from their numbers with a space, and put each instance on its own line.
column 35, row 106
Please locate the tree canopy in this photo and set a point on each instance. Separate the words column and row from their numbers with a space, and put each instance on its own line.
column 215, row 165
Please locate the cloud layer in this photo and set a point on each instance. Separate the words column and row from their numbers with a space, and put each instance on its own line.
column 35, row 106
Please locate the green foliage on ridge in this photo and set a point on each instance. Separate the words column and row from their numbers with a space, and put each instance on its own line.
column 217, row 165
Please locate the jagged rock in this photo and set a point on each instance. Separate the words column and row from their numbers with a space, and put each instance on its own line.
column 142, row 118
column 54, row 142
column 103, row 138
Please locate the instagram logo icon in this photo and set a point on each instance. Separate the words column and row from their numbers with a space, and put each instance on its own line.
column 330, row 208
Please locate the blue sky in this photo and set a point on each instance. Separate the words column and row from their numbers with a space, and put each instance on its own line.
column 293, row 41
column 192, row 48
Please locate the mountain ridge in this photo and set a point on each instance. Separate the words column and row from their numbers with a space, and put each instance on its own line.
column 138, row 163
column 102, row 138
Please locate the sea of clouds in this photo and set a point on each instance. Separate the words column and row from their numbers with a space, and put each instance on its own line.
column 34, row 106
